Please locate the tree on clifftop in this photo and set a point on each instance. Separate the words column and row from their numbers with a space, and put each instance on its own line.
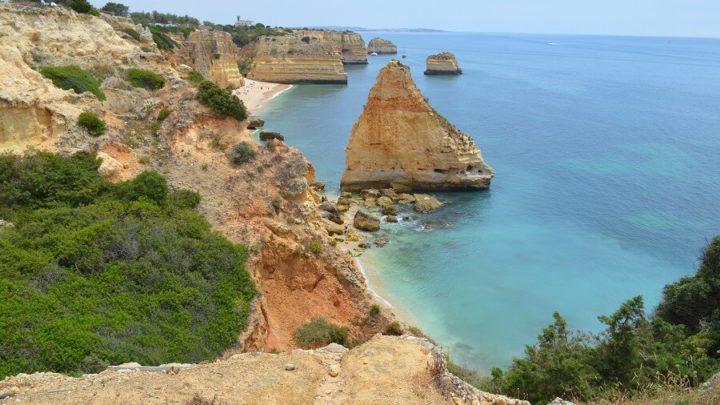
column 117, row 9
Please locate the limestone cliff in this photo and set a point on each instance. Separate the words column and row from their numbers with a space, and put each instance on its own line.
column 214, row 54
column 385, row 370
column 294, row 58
column 400, row 141
column 443, row 63
column 381, row 46
column 350, row 45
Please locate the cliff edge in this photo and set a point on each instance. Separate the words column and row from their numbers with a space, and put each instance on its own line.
column 400, row 141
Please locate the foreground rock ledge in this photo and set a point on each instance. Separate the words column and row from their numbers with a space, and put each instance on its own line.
column 397, row 370
column 400, row 141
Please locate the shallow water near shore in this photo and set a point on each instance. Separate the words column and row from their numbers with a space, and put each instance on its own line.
column 606, row 151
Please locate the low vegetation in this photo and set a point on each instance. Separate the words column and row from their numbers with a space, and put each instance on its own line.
column 195, row 77
column 81, row 6
column 242, row 153
column 93, row 124
column 637, row 355
column 318, row 333
column 132, row 33
column 94, row 273
column 116, row 9
column 73, row 77
column 145, row 79
column 163, row 114
column 161, row 39
column 315, row 247
column 221, row 101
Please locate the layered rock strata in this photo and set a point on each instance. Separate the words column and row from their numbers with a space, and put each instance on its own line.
column 381, row 46
column 443, row 63
column 400, row 141
column 294, row 59
column 350, row 45
column 214, row 54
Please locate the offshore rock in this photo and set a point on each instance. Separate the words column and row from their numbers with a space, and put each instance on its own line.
column 294, row 58
column 442, row 64
column 400, row 141
column 381, row 46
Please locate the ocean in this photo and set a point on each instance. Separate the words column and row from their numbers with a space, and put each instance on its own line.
column 607, row 154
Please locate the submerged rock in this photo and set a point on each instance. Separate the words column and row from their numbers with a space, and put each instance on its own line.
column 366, row 222
column 442, row 64
column 381, row 46
column 401, row 142
column 426, row 203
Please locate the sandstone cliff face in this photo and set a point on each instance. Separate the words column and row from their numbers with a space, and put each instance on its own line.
column 442, row 64
column 400, row 141
column 350, row 45
column 381, row 46
column 214, row 54
column 294, row 59
column 385, row 370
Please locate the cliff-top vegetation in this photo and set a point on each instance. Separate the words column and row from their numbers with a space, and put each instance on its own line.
column 94, row 273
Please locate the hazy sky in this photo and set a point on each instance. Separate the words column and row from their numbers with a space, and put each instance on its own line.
column 616, row 17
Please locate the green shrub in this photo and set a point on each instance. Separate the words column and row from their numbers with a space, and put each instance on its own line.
column 184, row 199
column 195, row 77
column 148, row 185
column 161, row 39
column 163, row 114
column 117, row 9
column 145, row 79
column 318, row 332
column 82, row 6
column 394, row 329
column 91, row 278
column 374, row 310
column 132, row 33
column 242, row 153
column 315, row 247
column 221, row 101
column 306, row 40
column 92, row 123
column 75, row 78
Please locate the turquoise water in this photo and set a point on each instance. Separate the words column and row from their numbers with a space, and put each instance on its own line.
column 607, row 153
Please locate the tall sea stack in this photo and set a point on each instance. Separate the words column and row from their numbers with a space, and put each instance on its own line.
column 400, row 141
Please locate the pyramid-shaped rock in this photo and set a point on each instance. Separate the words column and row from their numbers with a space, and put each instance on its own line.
column 400, row 141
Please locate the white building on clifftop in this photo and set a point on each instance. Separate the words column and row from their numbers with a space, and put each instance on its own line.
column 243, row 23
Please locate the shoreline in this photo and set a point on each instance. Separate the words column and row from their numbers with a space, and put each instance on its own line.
column 256, row 94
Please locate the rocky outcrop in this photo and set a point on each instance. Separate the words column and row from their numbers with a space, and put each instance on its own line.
column 350, row 45
column 213, row 54
column 442, row 64
column 366, row 222
column 397, row 370
column 294, row 58
column 400, row 141
column 381, row 46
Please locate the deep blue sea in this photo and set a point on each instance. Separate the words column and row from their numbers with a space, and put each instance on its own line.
column 607, row 153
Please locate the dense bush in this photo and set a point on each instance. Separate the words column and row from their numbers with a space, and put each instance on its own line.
column 117, row 9
column 195, row 77
column 161, row 39
column 75, row 78
column 242, row 153
column 132, row 33
column 315, row 247
column 154, row 17
column 92, row 123
column 95, row 274
column 635, row 353
column 82, row 6
column 163, row 114
column 145, row 78
column 221, row 101
column 318, row 332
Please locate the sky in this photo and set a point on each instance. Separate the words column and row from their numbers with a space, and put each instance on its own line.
column 696, row 18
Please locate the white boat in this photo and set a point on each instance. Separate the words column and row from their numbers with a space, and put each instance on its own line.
column 373, row 54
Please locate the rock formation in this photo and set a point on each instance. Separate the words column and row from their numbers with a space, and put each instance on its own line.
column 442, row 64
column 214, row 54
column 294, row 59
column 397, row 370
column 381, row 46
column 350, row 45
column 400, row 141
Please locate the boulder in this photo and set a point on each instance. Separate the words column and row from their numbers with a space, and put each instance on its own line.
column 426, row 203
column 331, row 212
column 401, row 142
column 268, row 135
column 6, row 224
column 366, row 222
column 442, row 64
column 405, row 198
column 333, row 229
column 381, row 47
column 391, row 218
column 255, row 122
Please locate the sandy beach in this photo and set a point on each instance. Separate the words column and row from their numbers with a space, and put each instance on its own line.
column 256, row 94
